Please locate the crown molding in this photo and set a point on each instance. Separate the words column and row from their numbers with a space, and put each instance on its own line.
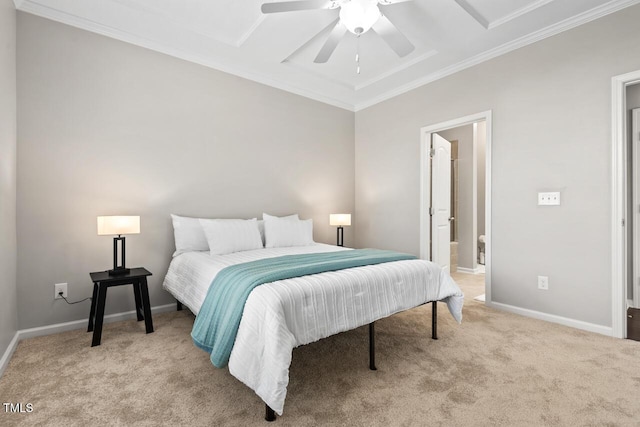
column 32, row 7
column 552, row 30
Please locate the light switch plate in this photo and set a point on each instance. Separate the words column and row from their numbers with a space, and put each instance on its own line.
column 549, row 199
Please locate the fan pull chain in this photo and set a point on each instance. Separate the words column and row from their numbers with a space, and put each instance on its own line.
column 358, row 54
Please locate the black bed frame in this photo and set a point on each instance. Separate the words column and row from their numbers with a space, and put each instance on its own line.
column 270, row 414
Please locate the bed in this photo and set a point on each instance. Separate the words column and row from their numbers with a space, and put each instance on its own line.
column 284, row 314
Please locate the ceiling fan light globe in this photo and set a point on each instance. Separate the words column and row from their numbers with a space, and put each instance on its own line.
column 359, row 15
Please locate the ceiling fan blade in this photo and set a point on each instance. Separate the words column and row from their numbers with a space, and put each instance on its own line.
column 394, row 38
column 332, row 42
column 388, row 2
column 290, row 6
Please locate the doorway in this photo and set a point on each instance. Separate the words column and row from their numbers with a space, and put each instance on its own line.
column 622, row 204
column 468, row 150
column 466, row 222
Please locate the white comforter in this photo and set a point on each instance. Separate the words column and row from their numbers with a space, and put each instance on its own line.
column 282, row 315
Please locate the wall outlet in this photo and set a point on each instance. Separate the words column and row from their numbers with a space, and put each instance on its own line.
column 59, row 287
column 549, row 199
column 543, row 283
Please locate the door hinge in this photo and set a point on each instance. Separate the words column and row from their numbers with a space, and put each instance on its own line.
column 431, row 211
column 432, row 152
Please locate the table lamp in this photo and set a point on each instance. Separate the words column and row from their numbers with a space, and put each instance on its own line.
column 340, row 220
column 118, row 225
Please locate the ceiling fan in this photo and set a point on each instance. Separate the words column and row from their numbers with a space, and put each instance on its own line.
column 356, row 16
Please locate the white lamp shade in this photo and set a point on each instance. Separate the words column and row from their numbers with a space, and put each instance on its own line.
column 340, row 219
column 112, row 225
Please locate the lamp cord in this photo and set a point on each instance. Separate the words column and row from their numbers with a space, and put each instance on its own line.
column 72, row 302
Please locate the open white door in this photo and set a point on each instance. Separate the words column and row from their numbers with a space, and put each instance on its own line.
column 635, row 215
column 441, row 201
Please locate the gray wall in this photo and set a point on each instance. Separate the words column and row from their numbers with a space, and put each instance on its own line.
column 8, row 305
column 551, row 104
column 466, row 240
column 110, row 128
column 481, row 158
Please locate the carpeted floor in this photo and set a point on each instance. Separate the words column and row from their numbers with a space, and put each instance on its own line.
column 494, row 369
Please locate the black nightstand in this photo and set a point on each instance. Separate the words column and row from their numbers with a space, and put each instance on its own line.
column 101, row 281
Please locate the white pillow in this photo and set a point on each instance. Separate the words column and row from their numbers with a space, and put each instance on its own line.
column 283, row 232
column 188, row 235
column 231, row 235
column 265, row 216
column 261, row 229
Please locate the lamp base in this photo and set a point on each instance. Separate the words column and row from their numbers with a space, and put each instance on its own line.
column 118, row 271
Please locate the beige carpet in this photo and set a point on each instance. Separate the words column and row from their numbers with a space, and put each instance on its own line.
column 494, row 369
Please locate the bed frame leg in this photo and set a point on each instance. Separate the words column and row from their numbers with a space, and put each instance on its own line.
column 179, row 305
column 270, row 414
column 434, row 320
column 372, row 347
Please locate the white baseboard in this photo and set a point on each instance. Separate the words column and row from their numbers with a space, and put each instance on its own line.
column 69, row 326
column 79, row 324
column 578, row 324
column 8, row 353
column 468, row 270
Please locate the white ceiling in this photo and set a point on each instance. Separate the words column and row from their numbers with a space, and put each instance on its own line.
column 278, row 49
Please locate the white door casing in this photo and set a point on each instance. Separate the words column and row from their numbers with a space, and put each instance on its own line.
column 441, row 202
column 619, row 200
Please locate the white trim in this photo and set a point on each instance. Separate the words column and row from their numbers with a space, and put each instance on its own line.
column 618, row 201
column 425, row 140
column 578, row 324
column 70, row 326
column 79, row 324
column 468, row 270
column 552, row 30
column 6, row 357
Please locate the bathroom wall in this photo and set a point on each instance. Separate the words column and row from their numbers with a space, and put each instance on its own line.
column 481, row 158
column 8, row 176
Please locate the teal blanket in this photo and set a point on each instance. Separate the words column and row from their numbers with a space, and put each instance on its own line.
column 217, row 323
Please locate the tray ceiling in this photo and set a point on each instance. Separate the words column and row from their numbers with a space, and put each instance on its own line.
column 279, row 49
